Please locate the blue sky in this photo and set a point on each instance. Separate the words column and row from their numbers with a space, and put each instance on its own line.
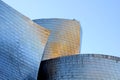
column 100, row 20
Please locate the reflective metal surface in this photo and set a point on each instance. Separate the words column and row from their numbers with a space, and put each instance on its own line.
column 21, row 45
column 64, row 38
column 81, row 67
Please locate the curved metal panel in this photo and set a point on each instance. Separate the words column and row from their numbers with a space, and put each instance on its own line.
column 21, row 45
column 64, row 38
column 81, row 67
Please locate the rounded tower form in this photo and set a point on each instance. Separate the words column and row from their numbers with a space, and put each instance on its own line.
column 64, row 38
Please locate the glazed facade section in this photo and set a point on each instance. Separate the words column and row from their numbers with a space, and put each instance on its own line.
column 21, row 45
column 81, row 67
column 64, row 39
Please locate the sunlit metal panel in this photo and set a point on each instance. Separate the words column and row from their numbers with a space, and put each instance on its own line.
column 64, row 38
column 21, row 45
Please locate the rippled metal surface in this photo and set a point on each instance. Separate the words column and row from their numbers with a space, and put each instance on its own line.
column 21, row 45
column 81, row 67
column 64, row 38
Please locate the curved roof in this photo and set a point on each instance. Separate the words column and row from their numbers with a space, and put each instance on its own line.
column 110, row 57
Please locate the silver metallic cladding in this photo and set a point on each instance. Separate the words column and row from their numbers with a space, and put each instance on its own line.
column 81, row 67
column 21, row 45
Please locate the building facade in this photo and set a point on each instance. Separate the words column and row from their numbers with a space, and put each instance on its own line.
column 81, row 67
column 64, row 38
column 21, row 45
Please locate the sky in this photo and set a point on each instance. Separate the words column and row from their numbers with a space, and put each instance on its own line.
column 99, row 19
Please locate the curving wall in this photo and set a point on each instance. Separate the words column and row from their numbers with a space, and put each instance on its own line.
column 21, row 45
column 81, row 67
column 64, row 39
